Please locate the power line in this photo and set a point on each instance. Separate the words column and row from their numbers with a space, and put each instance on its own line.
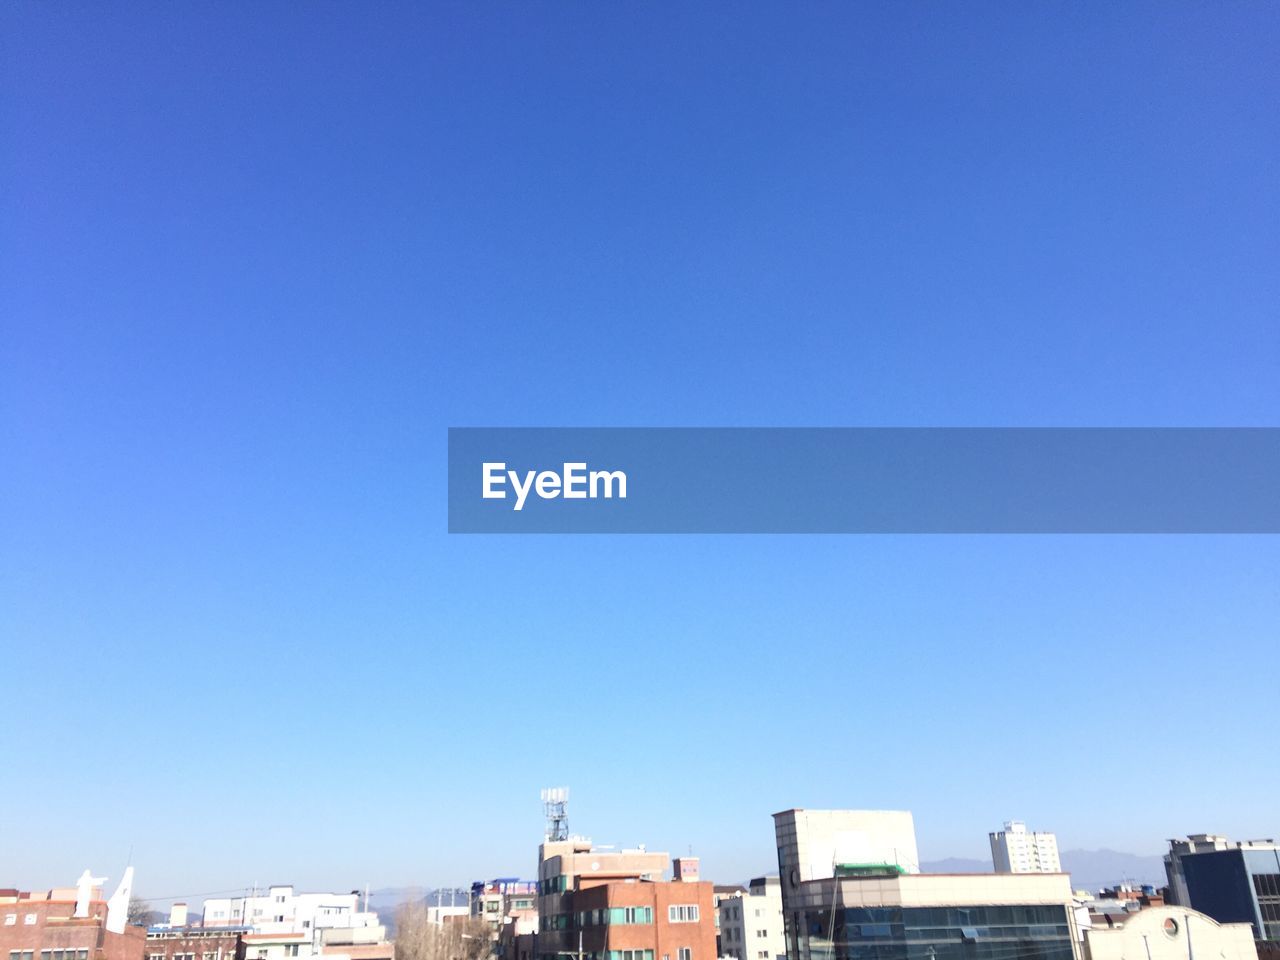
column 184, row 896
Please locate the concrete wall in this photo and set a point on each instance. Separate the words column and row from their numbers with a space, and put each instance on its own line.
column 1170, row 933
column 810, row 842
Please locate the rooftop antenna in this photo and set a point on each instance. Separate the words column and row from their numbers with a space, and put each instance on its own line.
column 555, row 804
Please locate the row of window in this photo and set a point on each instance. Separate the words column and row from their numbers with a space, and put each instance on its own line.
column 612, row 915
column 11, row 919
column 50, row 955
column 682, row 913
column 1267, row 884
column 734, row 934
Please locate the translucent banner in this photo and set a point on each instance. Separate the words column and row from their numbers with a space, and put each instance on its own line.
column 864, row 480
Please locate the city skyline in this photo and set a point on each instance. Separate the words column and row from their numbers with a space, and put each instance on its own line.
column 257, row 261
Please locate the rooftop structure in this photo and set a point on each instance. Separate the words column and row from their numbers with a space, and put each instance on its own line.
column 873, row 902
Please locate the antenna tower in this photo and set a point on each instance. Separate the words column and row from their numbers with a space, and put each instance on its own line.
column 555, row 804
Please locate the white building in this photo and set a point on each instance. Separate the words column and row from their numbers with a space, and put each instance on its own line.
column 821, row 843
column 1017, row 850
column 751, row 926
column 1168, row 933
column 280, row 910
column 284, row 925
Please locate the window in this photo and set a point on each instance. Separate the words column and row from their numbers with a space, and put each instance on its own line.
column 29, row 919
column 684, row 953
column 762, row 933
column 682, row 913
column 629, row 915
column 210, row 956
column 10, row 919
column 291, row 950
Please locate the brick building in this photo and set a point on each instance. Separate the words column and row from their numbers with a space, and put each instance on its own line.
column 602, row 904
column 45, row 927
column 645, row 920
column 180, row 940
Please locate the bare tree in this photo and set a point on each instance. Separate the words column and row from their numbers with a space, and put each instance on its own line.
column 139, row 912
column 457, row 938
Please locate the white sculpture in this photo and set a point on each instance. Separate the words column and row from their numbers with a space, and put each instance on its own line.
column 118, row 905
column 84, row 892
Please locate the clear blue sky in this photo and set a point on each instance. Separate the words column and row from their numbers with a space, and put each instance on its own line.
column 256, row 258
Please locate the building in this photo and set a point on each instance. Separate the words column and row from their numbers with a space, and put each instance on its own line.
column 509, row 907
column 178, row 939
column 606, row 904
column 1195, row 843
column 1168, row 933
column 1135, row 898
column 281, row 910
column 504, row 900
column 719, row 893
column 820, row 840
column 848, row 894
column 1018, row 850
column 70, row 923
column 441, row 914
column 283, row 925
column 751, row 926
column 646, row 920
column 1230, row 882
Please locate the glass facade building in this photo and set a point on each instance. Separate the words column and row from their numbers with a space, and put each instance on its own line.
column 1036, row 932
column 1238, row 885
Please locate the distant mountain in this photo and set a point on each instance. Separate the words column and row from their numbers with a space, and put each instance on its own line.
column 1095, row 869
column 1089, row 869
